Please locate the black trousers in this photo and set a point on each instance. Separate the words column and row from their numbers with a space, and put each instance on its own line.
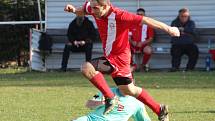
column 191, row 50
column 87, row 48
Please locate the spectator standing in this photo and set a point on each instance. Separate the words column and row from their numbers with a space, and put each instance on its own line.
column 81, row 33
column 184, row 45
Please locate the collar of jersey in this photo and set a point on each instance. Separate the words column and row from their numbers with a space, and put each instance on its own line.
column 109, row 12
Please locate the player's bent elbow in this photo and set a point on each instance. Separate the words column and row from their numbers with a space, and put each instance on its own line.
column 92, row 104
column 88, row 105
column 145, row 20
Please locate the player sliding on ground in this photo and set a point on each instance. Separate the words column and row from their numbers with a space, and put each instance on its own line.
column 113, row 25
column 128, row 107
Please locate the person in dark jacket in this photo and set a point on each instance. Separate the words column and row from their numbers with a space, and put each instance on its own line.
column 184, row 45
column 81, row 33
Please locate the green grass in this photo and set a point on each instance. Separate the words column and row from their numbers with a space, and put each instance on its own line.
column 54, row 96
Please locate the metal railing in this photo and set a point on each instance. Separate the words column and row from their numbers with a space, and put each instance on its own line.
column 20, row 22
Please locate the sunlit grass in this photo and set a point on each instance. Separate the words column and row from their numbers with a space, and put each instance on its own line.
column 54, row 96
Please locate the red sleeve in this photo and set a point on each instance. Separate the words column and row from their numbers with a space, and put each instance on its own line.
column 87, row 8
column 150, row 32
column 131, row 20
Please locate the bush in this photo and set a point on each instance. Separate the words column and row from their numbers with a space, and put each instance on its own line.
column 14, row 39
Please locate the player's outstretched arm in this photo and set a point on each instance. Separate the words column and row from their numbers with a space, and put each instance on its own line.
column 78, row 11
column 173, row 31
column 92, row 104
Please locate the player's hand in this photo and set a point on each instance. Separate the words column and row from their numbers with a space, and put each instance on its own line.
column 70, row 8
column 181, row 29
column 133, row 43
column 92, row 104
column 139, row 44
column 76, row 43
column 174, row 31
column 82, row 43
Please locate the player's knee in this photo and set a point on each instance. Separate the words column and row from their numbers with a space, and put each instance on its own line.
column 128, row 90
column 148, row 50
column 88, row 70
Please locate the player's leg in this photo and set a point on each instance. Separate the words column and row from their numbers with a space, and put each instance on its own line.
column 133, row 63
column 65, row 58
column 176, row 53
column 88, row 51
column 89, row 70
column 142, row 95
column 147, row 53
column 97, row 79
column 192, row 52
column 124, row 80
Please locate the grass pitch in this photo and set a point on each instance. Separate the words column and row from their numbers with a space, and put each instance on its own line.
column 54, row 96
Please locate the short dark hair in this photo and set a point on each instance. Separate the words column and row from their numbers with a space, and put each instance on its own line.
column 103, row 2
column 141, row 10
column 183, row 10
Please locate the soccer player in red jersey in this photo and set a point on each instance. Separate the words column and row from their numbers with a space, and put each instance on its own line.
column 141, row 38
column 113, row 25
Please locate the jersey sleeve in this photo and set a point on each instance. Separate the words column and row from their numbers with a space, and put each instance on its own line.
column 150, row 32
column 141, row 114
column 87, row 8
column 131, row 20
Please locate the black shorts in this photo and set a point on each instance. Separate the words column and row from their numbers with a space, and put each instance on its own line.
column 102, row 65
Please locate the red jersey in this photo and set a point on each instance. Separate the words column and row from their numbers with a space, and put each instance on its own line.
column 113, row 30
column 141, row 33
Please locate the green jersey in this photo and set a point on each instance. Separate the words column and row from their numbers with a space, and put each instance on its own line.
column 128, row 107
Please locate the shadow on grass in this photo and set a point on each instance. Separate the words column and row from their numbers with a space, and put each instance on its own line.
column 190, row 112
column 155, row 80
column 49, row 79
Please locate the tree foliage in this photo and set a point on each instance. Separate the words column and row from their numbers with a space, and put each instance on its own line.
column 14, row 39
